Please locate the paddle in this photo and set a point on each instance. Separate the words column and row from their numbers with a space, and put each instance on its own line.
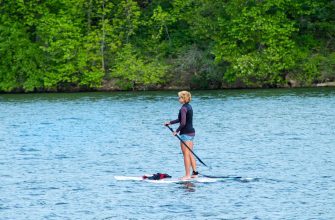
column 186, row 146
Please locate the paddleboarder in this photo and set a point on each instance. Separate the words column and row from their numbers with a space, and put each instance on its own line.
column 186, row 133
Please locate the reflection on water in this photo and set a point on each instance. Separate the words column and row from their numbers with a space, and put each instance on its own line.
column 188, row 186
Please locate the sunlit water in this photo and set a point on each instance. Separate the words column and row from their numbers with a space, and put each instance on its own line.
column 59, row 154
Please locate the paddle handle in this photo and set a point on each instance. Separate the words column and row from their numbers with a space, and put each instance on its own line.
column 187, row 146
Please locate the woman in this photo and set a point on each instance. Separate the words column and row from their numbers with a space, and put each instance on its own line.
column 187, row 133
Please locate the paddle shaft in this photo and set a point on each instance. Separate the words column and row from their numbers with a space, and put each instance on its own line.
column 187, row 146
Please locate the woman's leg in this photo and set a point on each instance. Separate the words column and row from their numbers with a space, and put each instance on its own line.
column 187, row 160
column 192, row 159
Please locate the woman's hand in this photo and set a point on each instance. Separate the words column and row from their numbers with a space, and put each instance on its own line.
column 167, row 123
column 175, row 133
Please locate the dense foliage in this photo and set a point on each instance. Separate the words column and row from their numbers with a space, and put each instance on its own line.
column 139, row 44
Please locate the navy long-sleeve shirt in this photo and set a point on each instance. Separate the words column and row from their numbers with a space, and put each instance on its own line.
column 185, row 118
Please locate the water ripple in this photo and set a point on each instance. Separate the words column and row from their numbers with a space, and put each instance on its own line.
column 59, row 153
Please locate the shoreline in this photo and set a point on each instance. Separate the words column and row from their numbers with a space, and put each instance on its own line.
column 168, row 88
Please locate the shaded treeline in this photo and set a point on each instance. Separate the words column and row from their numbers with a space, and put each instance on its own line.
column 64, row 45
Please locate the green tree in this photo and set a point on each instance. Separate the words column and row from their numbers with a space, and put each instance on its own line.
column 67, row 62
column 135, row 72
column 256, row 40
column 82, row 44
column 21, row 59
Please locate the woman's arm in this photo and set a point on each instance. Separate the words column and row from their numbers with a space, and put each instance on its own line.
column 174, row 121
column 182, row 121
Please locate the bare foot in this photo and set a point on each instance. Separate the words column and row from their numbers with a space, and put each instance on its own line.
column 185, row 178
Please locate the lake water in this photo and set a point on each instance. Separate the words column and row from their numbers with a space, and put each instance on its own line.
column 59, row 154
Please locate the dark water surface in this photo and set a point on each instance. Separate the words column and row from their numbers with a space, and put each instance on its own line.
column 59, row 154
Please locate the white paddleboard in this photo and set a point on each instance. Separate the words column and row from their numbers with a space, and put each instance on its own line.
column 166, row 180
column 128, row 178
column 199, row 179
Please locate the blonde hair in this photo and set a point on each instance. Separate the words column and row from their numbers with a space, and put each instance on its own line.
column 185, row 95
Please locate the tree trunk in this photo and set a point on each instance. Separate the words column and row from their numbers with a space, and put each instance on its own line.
column 103, row 37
